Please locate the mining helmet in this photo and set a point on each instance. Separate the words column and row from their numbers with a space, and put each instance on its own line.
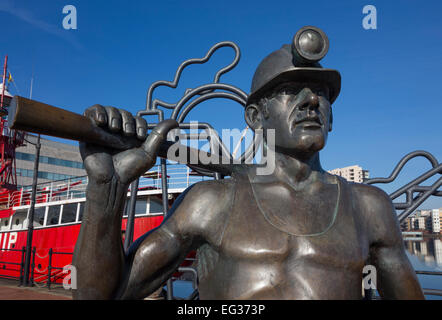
column 298, row 62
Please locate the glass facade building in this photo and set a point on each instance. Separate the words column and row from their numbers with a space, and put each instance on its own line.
column 57, row 161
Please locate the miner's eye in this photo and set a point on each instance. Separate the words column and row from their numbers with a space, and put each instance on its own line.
column 289, row 90
column 323, row 92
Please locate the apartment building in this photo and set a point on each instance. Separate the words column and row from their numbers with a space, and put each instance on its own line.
column 424, row 220
column 352, row 173
column 433, row 221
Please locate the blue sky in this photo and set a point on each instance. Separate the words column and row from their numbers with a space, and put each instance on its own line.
column 390, row 103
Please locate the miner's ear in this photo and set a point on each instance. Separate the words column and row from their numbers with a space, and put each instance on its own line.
column 331, row 120
column 253, row 116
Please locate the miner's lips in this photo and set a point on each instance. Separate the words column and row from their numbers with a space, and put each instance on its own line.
column 310, row 122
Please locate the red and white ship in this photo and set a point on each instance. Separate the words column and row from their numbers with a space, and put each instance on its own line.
column 59, row 209
column 57, row 220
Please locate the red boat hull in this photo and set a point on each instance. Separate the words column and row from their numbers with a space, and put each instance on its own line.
column 61, row 239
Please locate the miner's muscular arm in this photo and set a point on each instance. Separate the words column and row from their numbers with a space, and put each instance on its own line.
column 99, row 258
column 396, row 278
column 197, row 217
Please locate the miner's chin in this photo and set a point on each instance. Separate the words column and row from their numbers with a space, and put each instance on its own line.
column 303, row 145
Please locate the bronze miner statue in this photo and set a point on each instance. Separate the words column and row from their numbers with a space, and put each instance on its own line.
column 296, row 233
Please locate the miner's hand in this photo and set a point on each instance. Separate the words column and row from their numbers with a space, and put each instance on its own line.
column 103, row 164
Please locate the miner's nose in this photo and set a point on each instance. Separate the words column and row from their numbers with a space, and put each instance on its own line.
column 310, row 101
column 313, row 101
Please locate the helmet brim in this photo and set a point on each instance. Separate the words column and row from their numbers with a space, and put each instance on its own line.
column 330, row 77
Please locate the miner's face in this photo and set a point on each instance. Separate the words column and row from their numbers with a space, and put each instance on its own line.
column 300, row 113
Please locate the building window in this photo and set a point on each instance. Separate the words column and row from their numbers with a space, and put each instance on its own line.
column 49, row 160
column 43, row 175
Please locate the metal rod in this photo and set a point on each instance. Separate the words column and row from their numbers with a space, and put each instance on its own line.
column 31, row 212
column 22, row 265
column 169, row 289
column 432, row 273
column 193, row 272
column 49, row 269
column 408, row 211
column 165, row 209
column 129, row 238
column 433, row 292
column 33, row 266
column 4, row 81
column 165, row 192
column 416, row 181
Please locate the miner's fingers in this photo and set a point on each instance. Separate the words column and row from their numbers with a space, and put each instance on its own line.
column 128, row 123
column 158, row 136
column 113, row 119
column 97, row 114
column 141, row 128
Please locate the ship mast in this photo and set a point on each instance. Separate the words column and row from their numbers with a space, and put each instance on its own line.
column 9, row 139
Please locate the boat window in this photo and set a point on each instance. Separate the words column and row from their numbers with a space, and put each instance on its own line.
column 39, row 216
column 53, row 215
column 80, row 215
column 155, row 206
column 69, row 213
column 5, row 224
column 18, row 218
column 141, row 206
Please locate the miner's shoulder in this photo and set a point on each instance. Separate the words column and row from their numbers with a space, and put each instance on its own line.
column 203, row 209
column 371, row 199
column 378, row 212
column 213, row 188
column 206, row 198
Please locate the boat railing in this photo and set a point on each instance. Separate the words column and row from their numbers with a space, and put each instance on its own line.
column 46, row 277
column 52, row 274
column 8, row 266
column 428, row 291
column 178, row 177
column 55, row 273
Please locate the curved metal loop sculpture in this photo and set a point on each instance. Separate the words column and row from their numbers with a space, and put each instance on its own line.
column 174, row 83
column 423, row 192
column 195, row 96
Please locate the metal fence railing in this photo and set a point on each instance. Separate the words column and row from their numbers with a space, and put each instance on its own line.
column 37, row 276
column 178, row 177
column 428, row 291
column 7, row 270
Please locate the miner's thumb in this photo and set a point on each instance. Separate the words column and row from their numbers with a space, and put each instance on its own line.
column 158, row 136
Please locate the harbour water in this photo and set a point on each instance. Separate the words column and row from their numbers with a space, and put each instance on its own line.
column 426, row 255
